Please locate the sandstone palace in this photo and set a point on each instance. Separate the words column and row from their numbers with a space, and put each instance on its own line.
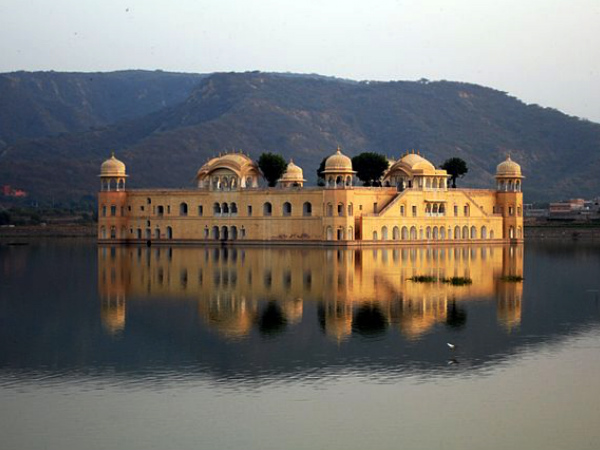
column 414, row 205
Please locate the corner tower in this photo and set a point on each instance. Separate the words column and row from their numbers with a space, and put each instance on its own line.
column 509, row 198
column 112, row 200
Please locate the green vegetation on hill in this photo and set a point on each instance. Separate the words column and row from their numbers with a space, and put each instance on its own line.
column 306, row 117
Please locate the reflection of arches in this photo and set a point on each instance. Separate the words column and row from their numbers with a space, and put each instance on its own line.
column 329, row 234
column 396, row 233
column 384, row 234
column 404, row 233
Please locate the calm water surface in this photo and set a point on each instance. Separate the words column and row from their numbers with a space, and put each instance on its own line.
column 276, row 348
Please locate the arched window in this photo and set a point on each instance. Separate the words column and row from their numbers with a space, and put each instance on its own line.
column 491, row 234
column 233, row 233
column 396, row 233
column 483, row 232
column 329, row 234
column 340, row 209
column 467, row 210
column 267, row 209
column 233, row 208
column 113, row 232
column 287, row 209
column 442, row 233
column 224, row 208
column 157, row 233
column 511, row 232
column 374, row 235
column 103, row 232
column 350, row 209
column 350, row 236
column 465, row 233
column 224, row 233
column 404, row 233
column 217, row 209
column 473, row 232
column 183, row 209
column 428, row 233
column 384, row 234
column 215, row 233
column 169, row 233
column 161, row 210
column 206, row 232
column 436, row 235
column 329, row 209
column 413, row 233
column 457, row 232
column 307, row 209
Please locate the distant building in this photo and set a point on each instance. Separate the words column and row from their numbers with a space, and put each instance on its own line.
column 413, row 205
column 8, row 191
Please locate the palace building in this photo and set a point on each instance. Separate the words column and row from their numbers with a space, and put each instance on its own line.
column 230, row 203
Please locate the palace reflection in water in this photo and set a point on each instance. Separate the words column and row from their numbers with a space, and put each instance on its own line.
column 367, row 291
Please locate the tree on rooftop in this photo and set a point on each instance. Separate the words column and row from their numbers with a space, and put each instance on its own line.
column 272, row 166
column 456, row 168
column 370, row 167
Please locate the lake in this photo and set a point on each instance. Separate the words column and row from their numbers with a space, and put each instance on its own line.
column 299, row 348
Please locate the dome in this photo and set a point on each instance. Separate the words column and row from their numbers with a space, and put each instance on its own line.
column 413, row 162
column 112, row 167
column 292, row 173
column 508, row 168
column 338, row 163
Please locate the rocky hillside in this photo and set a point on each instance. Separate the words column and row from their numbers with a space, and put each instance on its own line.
column 37, row 104
column 307, row 117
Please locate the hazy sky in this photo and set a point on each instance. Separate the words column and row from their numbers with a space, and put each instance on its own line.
column 542, row 51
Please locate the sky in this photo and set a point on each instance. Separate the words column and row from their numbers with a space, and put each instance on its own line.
column 542, row 51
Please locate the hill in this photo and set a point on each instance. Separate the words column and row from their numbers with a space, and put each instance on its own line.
column 37, row 104
column 306, row 117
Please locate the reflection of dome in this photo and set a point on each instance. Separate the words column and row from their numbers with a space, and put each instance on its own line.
column 112, row 167
column 338, row 163
column 292, row 175
column 112, row 314
column 508, row 168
